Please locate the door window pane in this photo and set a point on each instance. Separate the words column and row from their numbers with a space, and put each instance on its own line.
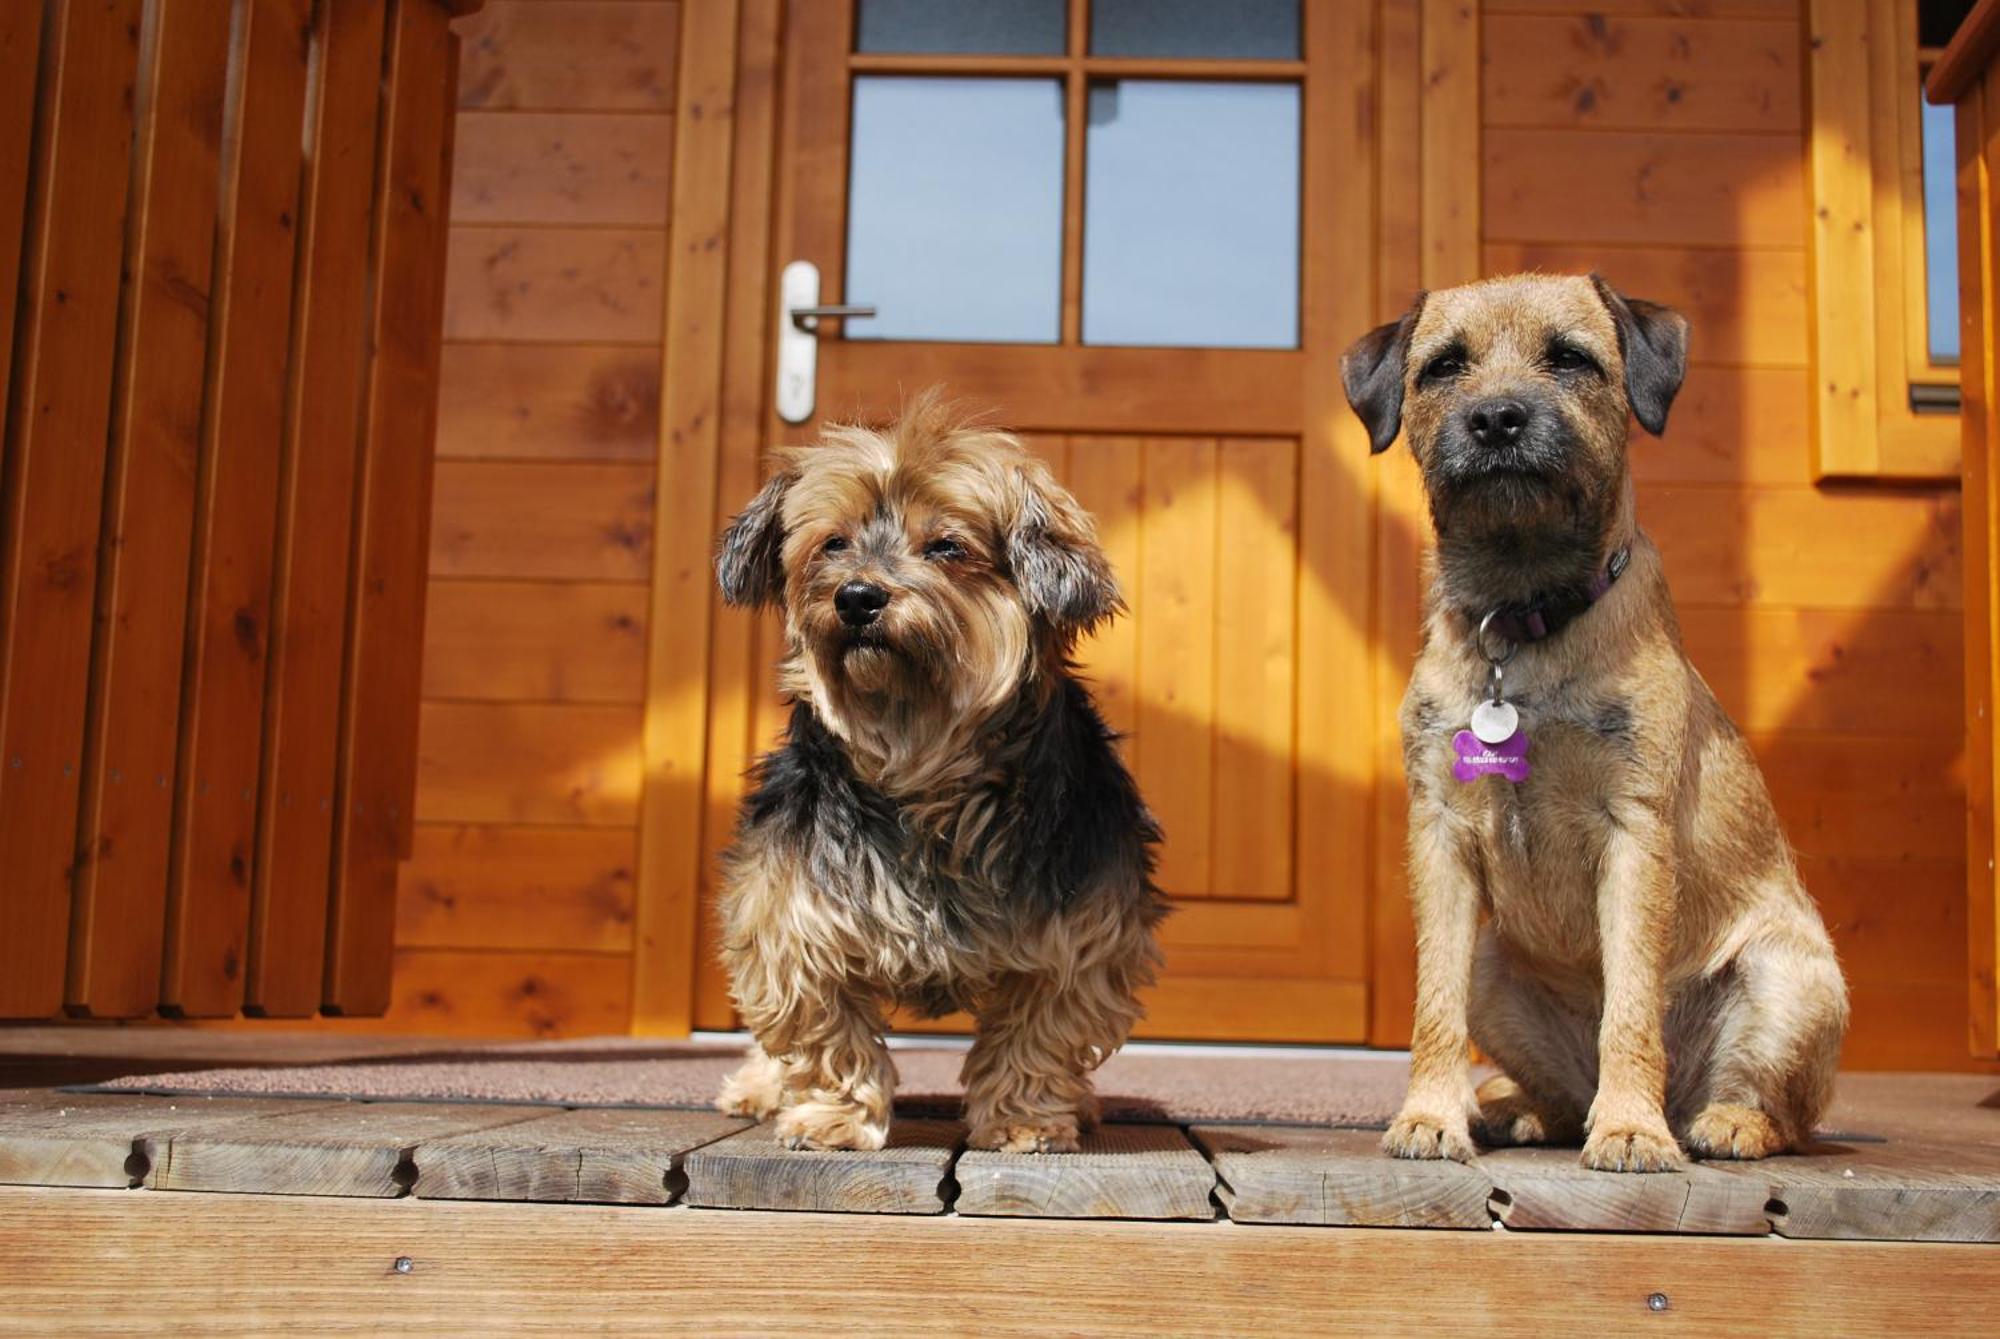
column 1941, row 230
column 975, row 27
column 954, row 214
column 1191, row 215
column 1212, row 29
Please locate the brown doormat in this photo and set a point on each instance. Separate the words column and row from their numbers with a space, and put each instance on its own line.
column 1140, row 1084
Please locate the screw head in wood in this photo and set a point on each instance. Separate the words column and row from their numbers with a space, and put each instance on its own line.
column 1656, row 1302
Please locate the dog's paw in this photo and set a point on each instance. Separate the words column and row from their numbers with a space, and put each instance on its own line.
column 1631, row 1146
column 1418, row 1135
column 755, row 1090
column 1508, row 1117
column 830, row 1125
column 1045, row 1134
column 1728, row 1131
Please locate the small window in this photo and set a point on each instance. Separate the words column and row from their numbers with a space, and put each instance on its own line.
column 1940, row 235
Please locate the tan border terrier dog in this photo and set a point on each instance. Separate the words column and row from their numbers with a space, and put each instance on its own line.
column 1604, row 901
column 947, row 824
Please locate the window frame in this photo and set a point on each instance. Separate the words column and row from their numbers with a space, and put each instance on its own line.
column 1865, row 161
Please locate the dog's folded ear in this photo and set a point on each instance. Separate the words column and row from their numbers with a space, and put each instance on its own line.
column 750, row 564
column 1052, row 551
column 1371, row 372
column 1654, row 342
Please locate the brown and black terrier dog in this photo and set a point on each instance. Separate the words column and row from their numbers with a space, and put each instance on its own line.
column 947, row 825
column 1612, row 914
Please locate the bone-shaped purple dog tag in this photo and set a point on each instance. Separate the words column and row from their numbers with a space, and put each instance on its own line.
column 1508, row 758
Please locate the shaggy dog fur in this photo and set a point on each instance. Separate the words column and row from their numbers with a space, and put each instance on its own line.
column 948, row 824
column 1649, row 973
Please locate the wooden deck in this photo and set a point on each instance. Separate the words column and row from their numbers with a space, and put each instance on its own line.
column 1897, row 1186
column 470, row 1218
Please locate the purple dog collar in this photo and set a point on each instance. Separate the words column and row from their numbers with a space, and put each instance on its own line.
column 1544, row 617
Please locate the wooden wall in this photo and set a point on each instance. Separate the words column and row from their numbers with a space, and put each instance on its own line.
column 226, row 225
column 515, row 914
column 1667, row 151
column 1660, row 141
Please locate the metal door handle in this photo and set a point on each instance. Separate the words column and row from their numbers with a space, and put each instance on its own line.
column 808, row 318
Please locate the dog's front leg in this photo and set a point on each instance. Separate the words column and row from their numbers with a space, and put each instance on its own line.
column 834, row 1077
column 1436, row 1117
column 1627, row 1121
column 1027, row 1077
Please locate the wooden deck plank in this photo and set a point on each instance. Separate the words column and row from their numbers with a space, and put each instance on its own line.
column 350, row 1149
column 1122, row 1171
column 148, row 1264
column 751, row 1170
column 592, row 1156
column 88, row 1139
column 1895, row 1191
column 1547, row 1188
column 1297, row 1174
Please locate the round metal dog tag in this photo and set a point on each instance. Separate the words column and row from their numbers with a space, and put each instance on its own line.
column 1494, row 722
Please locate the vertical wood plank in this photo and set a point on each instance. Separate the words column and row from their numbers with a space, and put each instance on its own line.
column 1842, row 239
column 1105, row 474
column 676, row 728
column 1335, row 645
column 295, row 818
column 51, row 493
column 1177, row 657
column 1978, row 151
column 736, row 673
column 20, row 61
column 1256, row 616
column 118, row 913
column 222, row 687
column 382, row 680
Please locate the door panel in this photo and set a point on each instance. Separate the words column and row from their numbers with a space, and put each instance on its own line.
column 1226, row 479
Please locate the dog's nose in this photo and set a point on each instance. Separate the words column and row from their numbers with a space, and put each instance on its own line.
column 860, row 603
column 1497, row 422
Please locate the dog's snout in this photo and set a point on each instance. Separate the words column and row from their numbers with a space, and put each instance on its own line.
column 860, row 603
column 1497, row 422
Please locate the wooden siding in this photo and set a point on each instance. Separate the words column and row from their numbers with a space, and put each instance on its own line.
column 215, row 253
column 515, row 915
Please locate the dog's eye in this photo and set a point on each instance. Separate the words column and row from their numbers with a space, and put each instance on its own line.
column 1569, row 358
column 1445, row 366
column 944, row 549
column 835, row 545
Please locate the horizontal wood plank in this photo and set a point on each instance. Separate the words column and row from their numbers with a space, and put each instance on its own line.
column 752, row 1170
column 535, row 641
column 529, row 889
column 528, row 763
column 1866, row 796
column 1122, row 1171
column 540, row 993
column 587, row 285
column 553, row 168
column 91, row 1139
column 1895, row 1191
column 1743, row 306
column 568, row 522
column 1843, row 671
column 1640, row 73
column 1644, row 187
column 1287, row 1174
column 1547, row 1188
column 603, row 55
column 1730, row 425
column 350, row 1148
column 549, row 402
column 321, row 1263
column 599, row 1156
column 1848, row 549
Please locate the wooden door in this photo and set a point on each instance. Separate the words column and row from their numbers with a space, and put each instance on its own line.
column 1148, row 263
